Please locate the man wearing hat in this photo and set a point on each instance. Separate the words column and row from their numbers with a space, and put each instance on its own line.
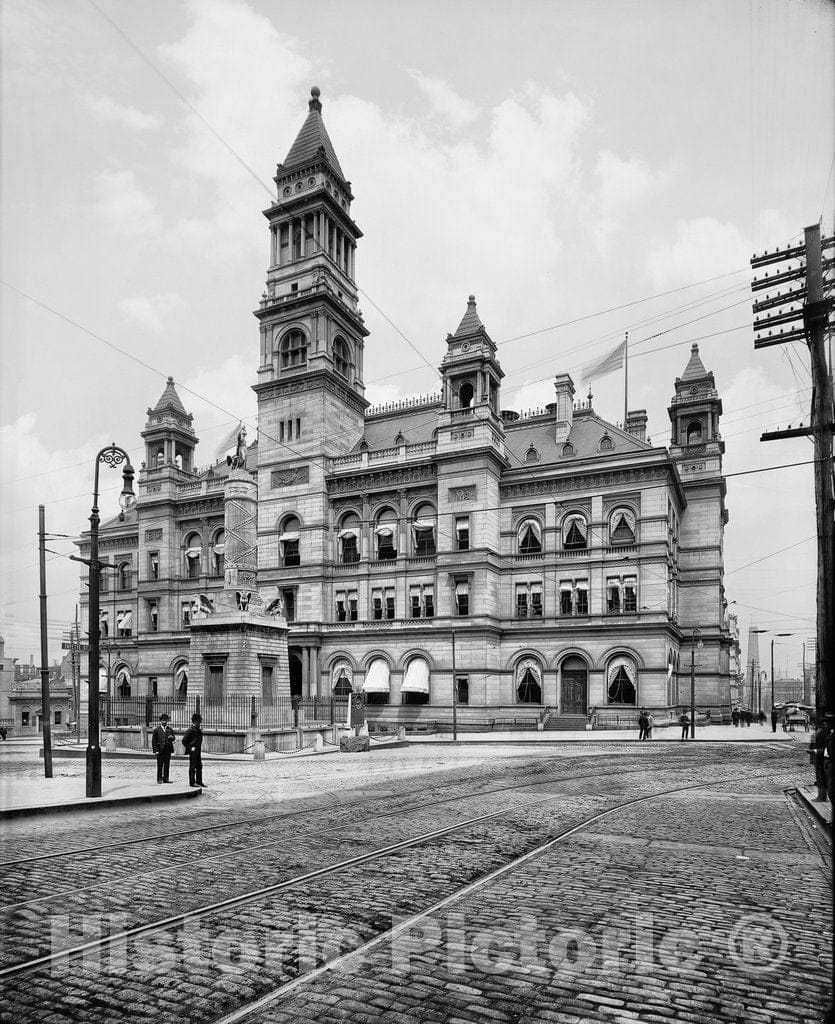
column 162, row 744
column 193, row 742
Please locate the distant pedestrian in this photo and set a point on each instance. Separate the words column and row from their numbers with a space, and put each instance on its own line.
column 162, row 744
column 684, row 721
column 642, row 725
column 650, row 723
column 193, row 742
column 774, row 717
column 735, row 717
column 822, row 734
column 761, row 717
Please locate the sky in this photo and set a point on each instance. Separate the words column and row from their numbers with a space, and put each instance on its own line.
column 584, row 167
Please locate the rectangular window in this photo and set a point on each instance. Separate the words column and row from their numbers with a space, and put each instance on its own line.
column 153, row 686
column 193, row 564
column 153, row 617
column 428, row 602
column 566, row 593
column 124, row 623
column 341, row 609
column 24, row 717
column 582, row 597
column 352, row 605
column 289, row 595
column 214, row 684
column 58, row 717
column 613, row 595
column 104, row 624
column 385, row 547
column 389, row 604
column 153, row 565
column 185, row 614
column 462, row 532
column 298, row 429
column 281, row 432
column 267, row 694
column 536, row 602
column 414, row 599
column 462, row 689
column 522, row 601
column 290, row 552
column 462, row 598
column 350, row 553
column 377, row 604
column 630, row 593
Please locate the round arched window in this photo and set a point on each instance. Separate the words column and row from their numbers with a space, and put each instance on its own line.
column 293, row 350
column 341, row 357
column 423, row 530
column 694, row 433
column 288, row 538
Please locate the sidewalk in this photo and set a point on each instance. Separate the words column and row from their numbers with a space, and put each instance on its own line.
column 48, row 796
column 670, row 734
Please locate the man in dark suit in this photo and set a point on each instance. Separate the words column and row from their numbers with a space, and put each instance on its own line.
column 193, row 742
column 162, row 744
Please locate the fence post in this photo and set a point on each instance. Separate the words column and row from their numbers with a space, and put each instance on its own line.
column 149, row 710
column 197, row 704
column 253, row 715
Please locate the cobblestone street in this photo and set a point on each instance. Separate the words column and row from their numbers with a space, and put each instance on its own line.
column 611, row 882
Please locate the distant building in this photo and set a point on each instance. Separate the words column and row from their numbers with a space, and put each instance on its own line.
column 21, row 709
column 433, row 550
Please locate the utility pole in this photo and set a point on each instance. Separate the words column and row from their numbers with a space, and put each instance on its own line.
column 45, row 712
column 454, row 693
column 808, row 304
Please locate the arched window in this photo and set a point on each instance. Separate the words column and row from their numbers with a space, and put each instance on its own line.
column 622, row 526
column 423, row 530
column 289, row 541
column 123, row 682
column 415, row 686
column 606, row 443
column 342, row 679
column 567, row 450
column 219, row 552
column 293, row 350
column 531, row 455
column 181, row 681
column 694, row 432
column 466, row 394
column 528, row 682
column 193, row 555
column 621, row 679
column 529, row 536
column 575, row 533
column 348, row 538
column 159, row 458
column 386, row 533
column 400, row 439
column 123, row 575
column 341, row 357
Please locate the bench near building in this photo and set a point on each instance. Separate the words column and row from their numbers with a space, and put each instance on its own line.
column 539, row 567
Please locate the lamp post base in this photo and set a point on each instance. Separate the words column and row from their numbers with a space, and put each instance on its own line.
column 93, row 770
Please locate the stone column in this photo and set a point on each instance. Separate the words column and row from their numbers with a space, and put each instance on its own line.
column 305, row 671
column 366, row 530
column 314, row 666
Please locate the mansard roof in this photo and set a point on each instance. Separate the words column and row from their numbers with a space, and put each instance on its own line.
column 169, row 400
column 312, row 138
column 587, row 431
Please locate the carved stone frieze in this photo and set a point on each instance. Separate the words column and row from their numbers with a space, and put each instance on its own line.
column 200, row 508
column 585, row 482
column 290, row 477
column 392, row 478
column 461, row 435
column 462, row 493
column 153, row 534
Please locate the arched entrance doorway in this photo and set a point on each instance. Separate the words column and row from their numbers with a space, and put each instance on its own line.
column 575, row 686
column 295, row 673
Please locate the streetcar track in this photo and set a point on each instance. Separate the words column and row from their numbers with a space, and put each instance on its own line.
column 316, row 832
column 118, row 939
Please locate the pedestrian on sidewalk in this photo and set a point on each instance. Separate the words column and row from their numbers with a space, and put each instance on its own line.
column 650, row 723
column 774, row 717
column 642, row 725
column 735, row 717
column 162, row 744
column 193, row 742
column 684, row 720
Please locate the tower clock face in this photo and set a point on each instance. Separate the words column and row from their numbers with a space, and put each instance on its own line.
column 465, row 347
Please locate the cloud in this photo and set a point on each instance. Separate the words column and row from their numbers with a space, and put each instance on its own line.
column 444, row 102
column 702, row 248
column 623, row 183
column 125, row 206
column 105, row 109
column 152, row 311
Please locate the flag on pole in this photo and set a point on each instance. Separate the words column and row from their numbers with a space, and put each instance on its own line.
column 609, row 363
column 229, row 443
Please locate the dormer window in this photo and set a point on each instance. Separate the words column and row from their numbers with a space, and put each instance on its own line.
column 293, row 351
column 567, row 450
column 606, row 443
column 531, row 455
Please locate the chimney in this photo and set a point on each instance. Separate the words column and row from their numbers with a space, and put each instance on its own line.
column 564, row 416
column 636, row 424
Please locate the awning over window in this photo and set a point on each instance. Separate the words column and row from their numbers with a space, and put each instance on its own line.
column 194, row 552
column 533, row 526
column 384, row 531
column 348, row 532
column 461, row 588
column 578, row 522
column 123, row 675
column 582, row 584
column 125, row 621
column 220, row 549
column 342, row 670
column 416, row 679
column 629, row 667
column 525, row 665
column 377, row 677
column 462, row 525
column 566, row 585
column 289, row 535
column 624, row 515
column 423, row 524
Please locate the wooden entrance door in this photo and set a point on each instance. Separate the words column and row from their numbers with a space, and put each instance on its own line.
column 574, row 692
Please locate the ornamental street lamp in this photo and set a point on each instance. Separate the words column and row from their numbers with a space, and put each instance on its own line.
column 695, row 641
column 111, row 456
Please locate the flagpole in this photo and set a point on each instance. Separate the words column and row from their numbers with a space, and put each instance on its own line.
column 625, row 378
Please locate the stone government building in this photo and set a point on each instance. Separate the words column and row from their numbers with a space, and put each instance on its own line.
column 548, row 560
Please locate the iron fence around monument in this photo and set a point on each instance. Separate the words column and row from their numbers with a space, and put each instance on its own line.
column 237, row 712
